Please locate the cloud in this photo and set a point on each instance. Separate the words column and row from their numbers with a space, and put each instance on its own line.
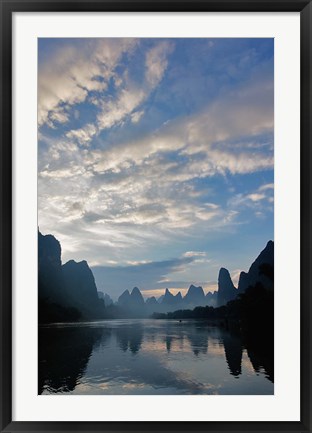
column 133, row 94
column 143, row 275
column 136, row 378
column 194, row 254
column 151, row 277
column 266, row 187
column 114, row 111
column 73, row 71
column 59, row 115
column 202, row 138
column 259, row 201
column 82, row 135
column 147, row 189
column 256, row 197
column 117, row 180
column 136, row 116
column 156, row 62
column 130, row 94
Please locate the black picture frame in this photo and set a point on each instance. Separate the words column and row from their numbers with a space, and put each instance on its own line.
column 8, row 7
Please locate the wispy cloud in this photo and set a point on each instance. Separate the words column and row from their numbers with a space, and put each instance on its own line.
column 259, row 200
column 133, row 94
column 130, row 95
column 83, row 135
column 78, row 70
column 156, row 62
column 143, row 156
column 135, row 184
column 201, row 139
column 194, row 254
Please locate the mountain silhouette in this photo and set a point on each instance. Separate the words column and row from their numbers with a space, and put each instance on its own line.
column 124, row 299
column 194, row 296
column 136, row 298
column 212, row 299
column 66, row 292
column 50, row 276
column 151, row 301
column 81, row 289
column 133, row 303
column 178, row 297
column 261, row 270
column 106, row 298
column 226, row 290
column 152, row 306
column 168, row 299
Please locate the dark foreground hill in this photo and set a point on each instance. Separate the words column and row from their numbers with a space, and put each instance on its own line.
column 65, row 292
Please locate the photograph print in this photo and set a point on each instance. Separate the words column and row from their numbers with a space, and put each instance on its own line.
column 156, row 216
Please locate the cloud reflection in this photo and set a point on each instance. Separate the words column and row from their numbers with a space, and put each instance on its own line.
column 147, row 357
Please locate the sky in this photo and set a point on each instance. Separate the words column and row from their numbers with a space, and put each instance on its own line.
column 156, row 157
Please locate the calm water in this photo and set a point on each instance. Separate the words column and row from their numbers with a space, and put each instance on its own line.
column 150, row 357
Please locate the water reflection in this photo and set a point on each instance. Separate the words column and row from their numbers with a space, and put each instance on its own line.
column 151, row 357
column 233, row 349
column 63, row 356
column 130, row 337
column 261, row 358
column 198, row 336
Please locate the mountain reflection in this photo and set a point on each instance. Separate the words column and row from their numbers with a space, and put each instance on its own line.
column 148, row 356
column 168, row 339
column 233, row 350
column 130, row 337
column 199, row 340
column 261, row 358
column 63, row 356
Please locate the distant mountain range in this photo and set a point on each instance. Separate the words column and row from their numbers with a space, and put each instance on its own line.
column 71, row 287
column 195, row 296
